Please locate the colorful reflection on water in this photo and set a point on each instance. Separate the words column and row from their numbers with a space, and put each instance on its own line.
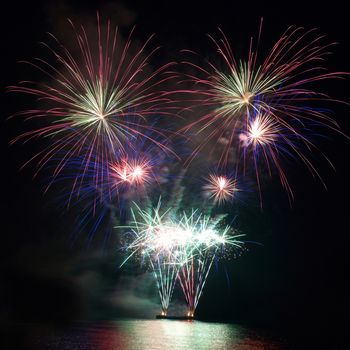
column 159, row 334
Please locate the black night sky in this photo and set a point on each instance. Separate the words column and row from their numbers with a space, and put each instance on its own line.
column 294, row 285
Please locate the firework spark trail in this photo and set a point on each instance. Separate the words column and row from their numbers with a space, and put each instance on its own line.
column 192, row 277
column 90, row 99
column 280, row 87
column 165, row 275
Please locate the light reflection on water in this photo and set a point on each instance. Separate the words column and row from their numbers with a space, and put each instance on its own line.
column 160, row 334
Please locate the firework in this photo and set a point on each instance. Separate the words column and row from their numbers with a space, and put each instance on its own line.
column 133, row 172
column 155, row 240
column 179, row 247
column 262, row 130
column 252, row 100
column 95, row 102
column 265, row 139
column 220, row 188
column 209, row 241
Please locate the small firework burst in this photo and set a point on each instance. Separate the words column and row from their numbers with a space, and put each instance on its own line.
column 220, row 188
column 134, row 172
column 262, row 130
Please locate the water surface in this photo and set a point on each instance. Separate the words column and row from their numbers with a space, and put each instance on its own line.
column 159, row 334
